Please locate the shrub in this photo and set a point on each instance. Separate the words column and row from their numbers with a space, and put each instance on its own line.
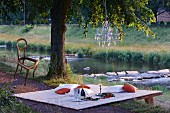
column 137, row 57
column 72, row 50
column 168, row 24
column 42, row 47
column 32, row 47
column 5, row 95
column 166, row 62
column 14, row 44
column 26, row 28
column 68, row 51
column 2, row 43
column 80, row 54
column 100, row 55
column 162, row 23
column 48, row 48
column 158, row 87
column 113, row 56
column 116, row 56
column 8, row 103
column 9, row 44
column 87, row 51
column 153, row 58
column 128, row 57
column 21, row 45
column 120, row 56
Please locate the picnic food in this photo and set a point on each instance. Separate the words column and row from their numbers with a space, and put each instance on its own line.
column 107, row 95
column 62, row 91
column 129, row 88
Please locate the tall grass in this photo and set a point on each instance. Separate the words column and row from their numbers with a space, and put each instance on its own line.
column 74, row 34
column 162, row 35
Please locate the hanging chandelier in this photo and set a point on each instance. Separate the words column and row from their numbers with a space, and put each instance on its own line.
column 105, row 35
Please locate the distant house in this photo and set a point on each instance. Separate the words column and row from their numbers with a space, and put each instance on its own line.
column 163, row 16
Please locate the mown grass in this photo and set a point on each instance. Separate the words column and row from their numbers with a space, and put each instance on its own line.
column 133, row 40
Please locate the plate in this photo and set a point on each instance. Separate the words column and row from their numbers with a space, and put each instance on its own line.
column 75, row 100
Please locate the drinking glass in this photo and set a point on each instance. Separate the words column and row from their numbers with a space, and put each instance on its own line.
column 77, row 93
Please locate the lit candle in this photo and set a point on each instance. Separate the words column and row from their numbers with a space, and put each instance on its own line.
column 100, row 85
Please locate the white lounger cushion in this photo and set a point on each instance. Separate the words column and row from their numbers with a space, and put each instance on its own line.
column 88, row 92
column 116, row 88
column 70, row 86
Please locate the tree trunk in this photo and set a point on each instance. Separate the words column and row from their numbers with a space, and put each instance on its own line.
column 58, row 17
column 155, row 11
column 156, row 16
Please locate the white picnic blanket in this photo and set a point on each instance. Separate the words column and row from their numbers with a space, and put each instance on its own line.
column 68, row 101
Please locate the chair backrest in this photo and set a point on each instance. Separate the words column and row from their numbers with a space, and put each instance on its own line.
column 21, row 47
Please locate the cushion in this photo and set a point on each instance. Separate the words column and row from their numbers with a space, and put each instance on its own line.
column 116, row 88
column 70, row 86
column 83, row 86
column 88, row 92
column 129, row 88
column 62, row 91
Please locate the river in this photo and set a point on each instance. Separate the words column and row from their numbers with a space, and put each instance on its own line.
column 90, row 65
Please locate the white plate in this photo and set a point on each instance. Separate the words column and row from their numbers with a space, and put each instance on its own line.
column 74, row 100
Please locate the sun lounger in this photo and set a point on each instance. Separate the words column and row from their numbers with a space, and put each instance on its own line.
column 68, row 101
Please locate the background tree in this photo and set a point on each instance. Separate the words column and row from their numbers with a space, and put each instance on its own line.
column 8, row 9
column 119, row 13
column 159, row 6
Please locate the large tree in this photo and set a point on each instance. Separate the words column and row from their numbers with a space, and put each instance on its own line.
column 118, row 12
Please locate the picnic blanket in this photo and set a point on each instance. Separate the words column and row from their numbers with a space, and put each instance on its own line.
column 68, row 100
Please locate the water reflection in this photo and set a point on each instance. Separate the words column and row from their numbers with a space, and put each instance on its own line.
column 98, row 66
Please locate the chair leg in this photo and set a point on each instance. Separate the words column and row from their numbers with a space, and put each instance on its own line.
column 21, row 67
column 34, row 70
column 20, row 70
column 16, row 71
column 26, row 77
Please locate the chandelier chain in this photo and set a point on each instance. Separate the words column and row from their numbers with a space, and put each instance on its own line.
column 105, row 8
